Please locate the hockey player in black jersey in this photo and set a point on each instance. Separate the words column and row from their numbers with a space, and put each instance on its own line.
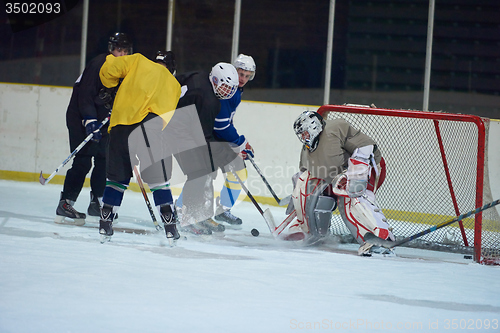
column 90, row 104
column 204, row 91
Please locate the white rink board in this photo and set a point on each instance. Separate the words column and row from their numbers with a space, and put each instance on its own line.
column 34, row 136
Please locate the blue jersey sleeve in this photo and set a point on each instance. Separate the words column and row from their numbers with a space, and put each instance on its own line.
column 223, row 126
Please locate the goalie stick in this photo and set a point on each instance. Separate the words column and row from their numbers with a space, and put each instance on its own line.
column 268, row 217
column 144, row 194
column 372, row 239
column 281, row 202
column 44, row 181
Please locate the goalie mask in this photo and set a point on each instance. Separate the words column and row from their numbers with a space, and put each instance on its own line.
column 224, row 79
column 308, row 127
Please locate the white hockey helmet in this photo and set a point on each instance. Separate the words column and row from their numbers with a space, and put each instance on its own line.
column 308, row 126
column 247, row 63
column 224, row 79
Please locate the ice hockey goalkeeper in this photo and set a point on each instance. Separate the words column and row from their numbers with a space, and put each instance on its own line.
column 338, row 165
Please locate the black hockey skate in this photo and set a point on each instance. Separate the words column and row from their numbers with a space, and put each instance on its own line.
column 106, row 223
column 229, row 218
column 196, row 229
column 169, row 223
column 94, row 206
column 213, row 226
column 67, row 214
column 368, row 250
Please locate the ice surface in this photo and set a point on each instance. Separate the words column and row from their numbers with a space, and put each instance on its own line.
column 59, row 278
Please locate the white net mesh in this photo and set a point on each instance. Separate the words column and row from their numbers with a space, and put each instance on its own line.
column 417, row 192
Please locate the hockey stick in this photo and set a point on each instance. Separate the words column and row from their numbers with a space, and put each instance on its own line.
column 268, row 217
column 372, row 239
column 141, row 185
column 281, row 202
column 44, row 181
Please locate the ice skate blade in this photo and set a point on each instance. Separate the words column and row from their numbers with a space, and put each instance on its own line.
column 105, row 238
column 232, row 226
column 68, row 221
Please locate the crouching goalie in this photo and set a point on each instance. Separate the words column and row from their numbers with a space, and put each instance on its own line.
column 339, row 165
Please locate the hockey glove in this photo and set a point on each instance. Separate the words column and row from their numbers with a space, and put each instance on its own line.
column 248, row 150
column 107, row 96
column 92, row 126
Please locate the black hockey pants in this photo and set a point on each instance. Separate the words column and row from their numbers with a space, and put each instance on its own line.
column 82, row 162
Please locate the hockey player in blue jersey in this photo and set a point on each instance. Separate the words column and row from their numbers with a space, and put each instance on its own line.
column 224, row 130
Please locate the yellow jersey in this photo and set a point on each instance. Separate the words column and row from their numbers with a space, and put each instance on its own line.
column 147, row 87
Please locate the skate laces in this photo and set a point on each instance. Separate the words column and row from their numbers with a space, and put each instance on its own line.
column 210, row 221
column 107, row 214
column 168, row 218
column 69, row 207
column 229, row 215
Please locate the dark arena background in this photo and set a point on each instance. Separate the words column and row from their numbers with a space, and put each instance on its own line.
column 378, row 54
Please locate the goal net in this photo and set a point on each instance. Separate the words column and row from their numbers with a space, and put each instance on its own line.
column 436, row 170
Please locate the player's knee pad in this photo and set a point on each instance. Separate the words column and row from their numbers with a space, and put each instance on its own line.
column 362, row 215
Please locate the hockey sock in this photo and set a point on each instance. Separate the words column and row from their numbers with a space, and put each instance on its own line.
column 113, row 193
column 232, row 188
column 162, row 195
column 178, row 202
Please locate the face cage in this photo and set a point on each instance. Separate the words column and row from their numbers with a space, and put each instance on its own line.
column 224, row 91
column 309, row 140
column 304, row 136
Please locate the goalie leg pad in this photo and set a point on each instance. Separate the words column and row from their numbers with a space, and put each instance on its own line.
column 299, row 197
column 290, row 207
column 362, row 215
column 319, row 210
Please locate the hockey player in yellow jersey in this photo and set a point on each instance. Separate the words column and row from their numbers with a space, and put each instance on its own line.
column 148, row 90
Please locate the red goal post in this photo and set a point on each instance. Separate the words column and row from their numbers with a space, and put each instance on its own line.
column 436, row 169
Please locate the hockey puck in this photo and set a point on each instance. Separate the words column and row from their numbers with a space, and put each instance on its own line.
column 467, row 256
column 255, row 232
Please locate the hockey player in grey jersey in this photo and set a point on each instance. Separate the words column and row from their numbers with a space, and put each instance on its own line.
column 338, row 165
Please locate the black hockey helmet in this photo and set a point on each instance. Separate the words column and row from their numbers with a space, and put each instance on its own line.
column 167, row 58
column 121, row 41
